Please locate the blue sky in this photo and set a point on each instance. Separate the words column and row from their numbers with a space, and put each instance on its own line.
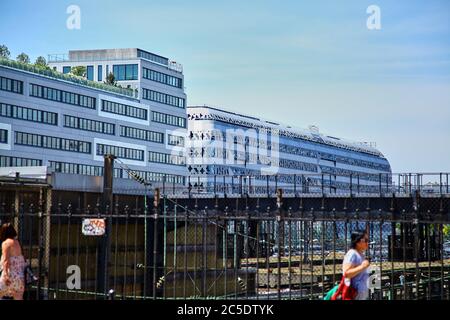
column 295, row 62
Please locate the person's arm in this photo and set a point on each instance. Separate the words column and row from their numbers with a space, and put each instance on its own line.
column 352, row 271
column 6, row 254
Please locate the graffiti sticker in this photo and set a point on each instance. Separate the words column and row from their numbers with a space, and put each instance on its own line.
column 93, row 227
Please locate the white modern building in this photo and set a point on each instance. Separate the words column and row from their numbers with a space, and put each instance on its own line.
column 263, row 155
column 67, row 123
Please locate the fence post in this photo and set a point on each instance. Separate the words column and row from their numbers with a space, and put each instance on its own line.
column 47, row 233
column 164, row 185
column 351, row 185
column 156, row 201
column 387, row 182
column 280, row 240
column 330, row 189
column 295, row 185
column 447, row 183
column 358, row 187
column 240, row 185
column 232, row 185
column 302, row 185
column 189, row 187
column 322, row 184
column 410, row 183
column 225, row 186
column 379, row 181
column 276, row 182
column 418, row 181
column 105, row 241
column 40, row 244
column 416, row 240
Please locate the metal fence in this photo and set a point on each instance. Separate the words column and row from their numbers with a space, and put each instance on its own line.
column 294, row 185
column 173, row 250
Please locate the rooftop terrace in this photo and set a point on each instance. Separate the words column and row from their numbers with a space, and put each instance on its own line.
column 66, row 77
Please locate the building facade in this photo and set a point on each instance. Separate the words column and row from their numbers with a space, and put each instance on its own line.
column 263, row 155
column 51, row 118
column 48, row 118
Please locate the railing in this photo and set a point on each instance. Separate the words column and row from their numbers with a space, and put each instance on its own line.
column 57, row 57
column 65, row 77
column 309, row 185
column 177, row 252
column 173, row 65
column 63, row 57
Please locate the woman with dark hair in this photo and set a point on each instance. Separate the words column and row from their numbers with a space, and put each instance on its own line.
column 355, row 265
column 12, row 263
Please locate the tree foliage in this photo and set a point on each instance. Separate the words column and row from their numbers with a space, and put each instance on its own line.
column 4, row 52
column 41, row 63
column 79, row 71
column 23, row 57
column 111, row 80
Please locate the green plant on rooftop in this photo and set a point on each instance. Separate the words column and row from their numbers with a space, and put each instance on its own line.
column 111, row 80
column 65, row 77
column 4, row 52
column 41, row 63
column 79, row 71
column 23, row 58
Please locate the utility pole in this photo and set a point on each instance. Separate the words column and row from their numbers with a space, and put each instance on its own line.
column 104, row 244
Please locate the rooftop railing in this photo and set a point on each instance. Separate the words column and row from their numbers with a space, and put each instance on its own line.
column 63, row 57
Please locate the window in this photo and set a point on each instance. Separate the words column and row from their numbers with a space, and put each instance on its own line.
column 28, row 114
column 3, row 136
column 75, row 168
column 120, row 152
column 155, row 176
column 67, row 69
column 355, row 174
column 11, row 85
column 168, row 119
column 49, row 142
column 162, row 78
column 123, row 109
column 99, row 72
column 125, row 71
column 90, row 72
column 83, row 169
column 166, row 158
column 89, row 125
column 6, row 161
column 42, row 92
column 175, row 140
column 162, row 98
column 141, row 134
column 297, row 165
column 153, row 57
